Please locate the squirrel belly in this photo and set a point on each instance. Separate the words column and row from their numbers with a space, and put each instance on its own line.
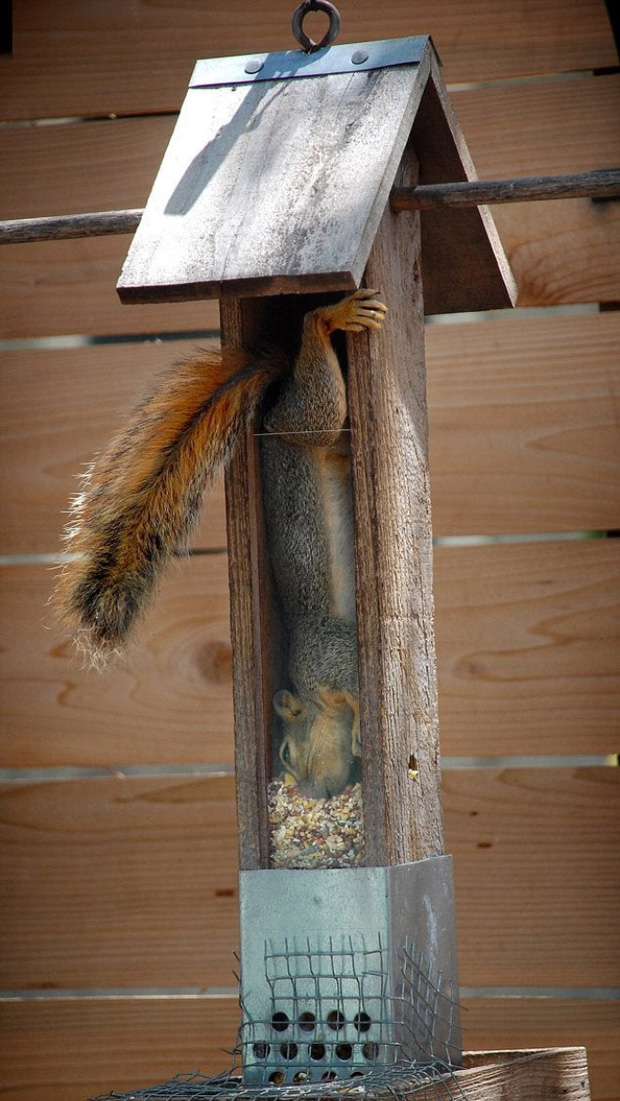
column 309, row 522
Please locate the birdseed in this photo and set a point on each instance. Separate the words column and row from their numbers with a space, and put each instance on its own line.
column 314, row 833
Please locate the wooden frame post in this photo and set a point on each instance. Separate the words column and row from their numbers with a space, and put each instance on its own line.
column 248, row 574
column 398, row 690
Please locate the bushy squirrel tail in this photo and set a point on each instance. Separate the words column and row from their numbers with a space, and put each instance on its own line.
column 141, row 497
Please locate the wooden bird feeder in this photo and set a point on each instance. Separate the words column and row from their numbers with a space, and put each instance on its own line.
column 274, row 192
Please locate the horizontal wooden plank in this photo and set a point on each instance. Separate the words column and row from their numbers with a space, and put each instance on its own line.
column 141, row 56
column 117, row 158
column 525, row 883
column 128, row 1043
column 522, row 425
column 70, row 1049
column 531, row 129
column 522, row 417
column 128, row 882
column 511, row 130
column 527, row 638
column 58, row 409
column 55, row 288
column 527, row 648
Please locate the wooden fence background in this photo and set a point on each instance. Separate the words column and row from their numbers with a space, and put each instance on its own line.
column 118, row 881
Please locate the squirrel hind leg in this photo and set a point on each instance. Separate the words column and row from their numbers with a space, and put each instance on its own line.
column 356, row 312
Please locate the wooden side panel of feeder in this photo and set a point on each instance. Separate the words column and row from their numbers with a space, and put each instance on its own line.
column 248, row 574
column 389, row 419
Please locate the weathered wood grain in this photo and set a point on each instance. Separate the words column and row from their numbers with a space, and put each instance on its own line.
column 527, row 641
column 52, row 288
column 169, row 700
column 142, row 1041
column 393, row 554
column 532, row 409
column 521, row 1075
column 140, row 57
column 603, row 183
column 568, row 125
column 511, row 129
column 464, row 266
column 526, row 635
column 522, row 427
column 294, row 154
column 132, row 882
column 249, row 589
column 66, row 227
column 568, row 255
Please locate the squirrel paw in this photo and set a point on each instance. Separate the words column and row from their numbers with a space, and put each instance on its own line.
column 356, row 312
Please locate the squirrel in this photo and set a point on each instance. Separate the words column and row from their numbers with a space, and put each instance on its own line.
column 140, row 501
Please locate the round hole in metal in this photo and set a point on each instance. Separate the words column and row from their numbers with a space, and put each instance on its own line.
column 370, row 1051
column 277, row 1077
column 288, row 1051
column 307, row 1021
column 317, row 1051
column 280, row 1022
column 335, row 1019
column 344, row 1051
column 261, row 1050
column 362, row 1022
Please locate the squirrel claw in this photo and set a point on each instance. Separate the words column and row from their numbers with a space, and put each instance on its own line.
column 359, row 311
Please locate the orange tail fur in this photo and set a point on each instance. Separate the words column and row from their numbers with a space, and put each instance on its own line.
column 141, row 498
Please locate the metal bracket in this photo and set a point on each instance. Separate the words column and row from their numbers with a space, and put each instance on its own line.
column 291, row 64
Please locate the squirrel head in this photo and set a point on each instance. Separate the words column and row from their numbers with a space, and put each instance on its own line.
column 317, row 749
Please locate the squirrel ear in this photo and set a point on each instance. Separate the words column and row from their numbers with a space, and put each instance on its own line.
column 287, row 705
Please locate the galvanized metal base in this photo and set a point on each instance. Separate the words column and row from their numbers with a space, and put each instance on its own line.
column 346, row 969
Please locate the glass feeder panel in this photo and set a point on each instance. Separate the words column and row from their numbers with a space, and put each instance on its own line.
column 314, row 796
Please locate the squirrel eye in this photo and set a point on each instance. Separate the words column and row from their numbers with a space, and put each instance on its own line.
column 285, row 753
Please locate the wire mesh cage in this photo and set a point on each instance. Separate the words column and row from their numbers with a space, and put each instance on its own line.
column 398, row 1082
column 337, row 1012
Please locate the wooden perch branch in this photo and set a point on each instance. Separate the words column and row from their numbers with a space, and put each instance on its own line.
column 61, row 227
column 601, row 184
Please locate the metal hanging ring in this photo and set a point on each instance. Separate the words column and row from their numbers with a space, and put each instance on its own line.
column 300, row 13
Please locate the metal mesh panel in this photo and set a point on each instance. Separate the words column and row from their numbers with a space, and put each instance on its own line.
column 398, row 1082
column 338, row 1012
